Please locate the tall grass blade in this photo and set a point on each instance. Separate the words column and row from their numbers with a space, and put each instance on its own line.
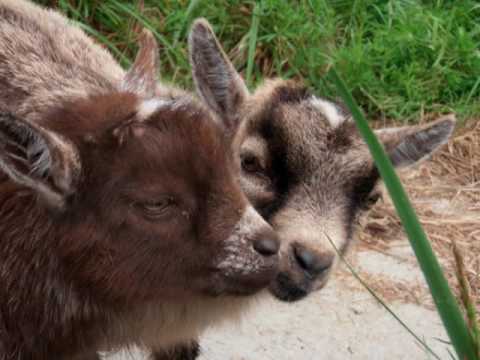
column 191, row 8
column 252, row 41
column 444, row 300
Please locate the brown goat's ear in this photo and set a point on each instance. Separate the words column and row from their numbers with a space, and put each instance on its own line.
column 38, row 159
column 216, row 80
column 141, row 79
column 408, row 145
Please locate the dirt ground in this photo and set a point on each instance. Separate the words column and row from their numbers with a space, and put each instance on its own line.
column 343, row 321
column 339, row 322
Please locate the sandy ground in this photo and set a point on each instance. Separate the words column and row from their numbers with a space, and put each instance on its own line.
column 336, row 323
column 342, row 321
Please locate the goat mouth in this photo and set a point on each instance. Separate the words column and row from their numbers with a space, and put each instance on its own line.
column 238, row 290
column 284, row 288
column 242, row 284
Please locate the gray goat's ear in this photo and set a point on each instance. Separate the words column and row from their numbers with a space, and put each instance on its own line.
column 38, row 159
column 411, row 144
column 141, row 78
column 216, row 80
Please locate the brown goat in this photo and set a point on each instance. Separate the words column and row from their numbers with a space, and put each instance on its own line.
column 121, row 219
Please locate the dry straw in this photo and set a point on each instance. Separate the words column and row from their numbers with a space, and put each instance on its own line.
column 445, row 192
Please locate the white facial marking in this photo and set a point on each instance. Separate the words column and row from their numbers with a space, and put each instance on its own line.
column 149, row 107
column 241, row 258
column 329, row 110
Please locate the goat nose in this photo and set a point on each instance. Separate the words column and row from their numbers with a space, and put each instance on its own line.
column 311, row 262
column 267, row 244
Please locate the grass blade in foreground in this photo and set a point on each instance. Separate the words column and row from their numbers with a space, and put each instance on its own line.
column 191, row 8
column 444, row 300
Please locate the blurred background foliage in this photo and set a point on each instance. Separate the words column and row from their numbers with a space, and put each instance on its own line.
column 401, row 58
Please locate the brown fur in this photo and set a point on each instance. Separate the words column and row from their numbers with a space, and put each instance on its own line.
column 120, row 214
column 31, row 33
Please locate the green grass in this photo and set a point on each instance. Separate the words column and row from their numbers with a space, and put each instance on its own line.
column 400, row 58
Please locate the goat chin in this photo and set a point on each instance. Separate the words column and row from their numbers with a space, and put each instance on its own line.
column 161, row 326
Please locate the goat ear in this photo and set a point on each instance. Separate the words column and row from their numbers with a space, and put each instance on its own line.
column 411, row 144
column 141, row 78
column 38, row 159
column 216, row 80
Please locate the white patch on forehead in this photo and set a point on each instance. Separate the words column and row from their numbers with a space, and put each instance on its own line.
column 329, row 110
column 240, row 256
column 149, row 107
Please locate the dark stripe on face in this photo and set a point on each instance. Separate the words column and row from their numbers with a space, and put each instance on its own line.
column 269, row 125
column 357, row 200
column 290, row 93
column 340, row 139
column 363, row 187
column 278, row 172
column 360, row 192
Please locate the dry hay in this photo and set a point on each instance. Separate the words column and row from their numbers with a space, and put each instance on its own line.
column 445, row 192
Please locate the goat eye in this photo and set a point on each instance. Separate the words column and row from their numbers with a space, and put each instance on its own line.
column 372, row 200
column 158, row 208
column 251, row 164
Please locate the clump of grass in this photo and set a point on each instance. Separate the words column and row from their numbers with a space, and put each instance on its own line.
column 412, row 56
column 400, row 58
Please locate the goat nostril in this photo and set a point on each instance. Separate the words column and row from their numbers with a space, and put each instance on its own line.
column 313, row 263
column 266, row 246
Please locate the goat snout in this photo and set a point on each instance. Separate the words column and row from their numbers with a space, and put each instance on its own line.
column 304, row 270
column 249, row 261
column 266, row 242
column 315, row 264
